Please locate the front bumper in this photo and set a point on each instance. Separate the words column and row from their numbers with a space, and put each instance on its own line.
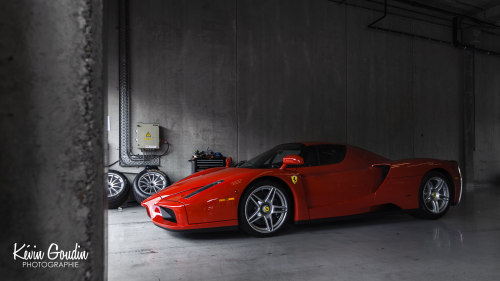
column 172, row 215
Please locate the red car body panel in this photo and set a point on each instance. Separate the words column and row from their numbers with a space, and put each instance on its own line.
column 363, row 182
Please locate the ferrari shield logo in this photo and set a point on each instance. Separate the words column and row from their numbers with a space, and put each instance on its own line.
column 294, row 179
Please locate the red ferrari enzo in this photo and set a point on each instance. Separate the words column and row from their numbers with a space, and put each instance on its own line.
column 305, row 182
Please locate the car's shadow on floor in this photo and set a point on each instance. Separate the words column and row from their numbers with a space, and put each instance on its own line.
column 342, row 223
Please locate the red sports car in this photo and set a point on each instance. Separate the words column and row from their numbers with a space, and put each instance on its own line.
column 305, row 182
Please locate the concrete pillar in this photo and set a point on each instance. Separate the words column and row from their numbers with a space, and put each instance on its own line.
column 51, row 120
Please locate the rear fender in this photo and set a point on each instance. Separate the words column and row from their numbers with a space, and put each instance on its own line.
column 404, row 178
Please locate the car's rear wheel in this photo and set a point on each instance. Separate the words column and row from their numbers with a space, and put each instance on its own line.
column 434, row 195
column 148, row 182
column 264, row 209
column 118, row 189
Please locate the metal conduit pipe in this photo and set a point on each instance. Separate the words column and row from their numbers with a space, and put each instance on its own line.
column 443, row 21
column 456, row 24
column 127, row 158
column 457, row 21
column 431, row 8
column 372, row 26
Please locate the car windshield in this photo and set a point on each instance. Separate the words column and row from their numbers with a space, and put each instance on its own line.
column 273, row 158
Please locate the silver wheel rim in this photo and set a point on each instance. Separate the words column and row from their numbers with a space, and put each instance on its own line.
column 151, row 182
column 266, row 209
column 115, row 184
column 436, row 195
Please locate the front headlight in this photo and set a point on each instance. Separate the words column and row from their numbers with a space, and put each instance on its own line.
column 203, row 188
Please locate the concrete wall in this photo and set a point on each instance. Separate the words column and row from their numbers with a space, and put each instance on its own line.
column 51, row 171
column 487, row 119
column 184, row 79
column 241, row 76
column 291, row 73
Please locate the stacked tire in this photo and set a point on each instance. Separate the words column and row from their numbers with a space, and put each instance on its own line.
column 118, row 189
column 146, row 183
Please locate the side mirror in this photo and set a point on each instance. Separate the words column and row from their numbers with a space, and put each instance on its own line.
column 292, row 160
column 229, row 160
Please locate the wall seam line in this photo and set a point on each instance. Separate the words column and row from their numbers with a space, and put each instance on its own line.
column 237, row 101
column 346, row 70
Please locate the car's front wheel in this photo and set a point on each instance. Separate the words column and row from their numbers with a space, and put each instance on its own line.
column 434, row 195
column 264, row 209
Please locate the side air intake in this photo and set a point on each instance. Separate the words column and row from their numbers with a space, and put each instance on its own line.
column 384, row 171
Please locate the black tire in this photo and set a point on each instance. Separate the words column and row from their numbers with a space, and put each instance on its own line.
column 257, row 220
column 118, row 189
column 434, row 202
column 158, row 179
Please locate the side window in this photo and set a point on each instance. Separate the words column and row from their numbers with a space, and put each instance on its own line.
column 310, row 155
column 331, row 154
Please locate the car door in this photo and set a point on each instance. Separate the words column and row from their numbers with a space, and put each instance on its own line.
column 335, row 185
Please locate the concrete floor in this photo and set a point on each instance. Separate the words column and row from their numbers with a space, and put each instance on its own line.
column 464, row 245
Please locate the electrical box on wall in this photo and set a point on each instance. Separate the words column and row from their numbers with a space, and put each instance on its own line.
column 148, row 136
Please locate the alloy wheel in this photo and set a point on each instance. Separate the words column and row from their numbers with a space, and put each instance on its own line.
column 115, row 184
column 152, row 182
column 266, row 209
column 436, row 195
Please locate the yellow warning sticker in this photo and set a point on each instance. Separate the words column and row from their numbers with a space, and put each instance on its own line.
column 294, row 179
column 148, row 136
